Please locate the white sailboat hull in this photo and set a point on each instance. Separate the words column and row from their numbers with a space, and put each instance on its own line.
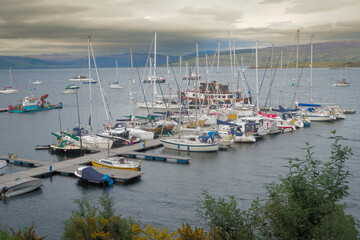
column 184, row 145
column 158, row 106
column 9, row 91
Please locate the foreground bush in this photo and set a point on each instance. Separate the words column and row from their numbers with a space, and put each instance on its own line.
column 91, row 223
column 302, row 205
column 26, row 233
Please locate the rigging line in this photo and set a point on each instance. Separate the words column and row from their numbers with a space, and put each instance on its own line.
column 100, row 84
column 298, row 80
column 146, row 65
column 272, row 80
column 142, row 88
column 266, row 68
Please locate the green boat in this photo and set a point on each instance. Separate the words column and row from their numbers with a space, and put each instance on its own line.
column 30, row 104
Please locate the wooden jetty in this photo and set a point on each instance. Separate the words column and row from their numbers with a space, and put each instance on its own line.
column 126, row 175
column 23, row 161
column 68, row 167
column 158, row 157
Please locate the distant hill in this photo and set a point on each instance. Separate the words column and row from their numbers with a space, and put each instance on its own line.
column 326, row 54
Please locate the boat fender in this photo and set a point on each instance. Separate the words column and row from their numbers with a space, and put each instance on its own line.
column 107, row 178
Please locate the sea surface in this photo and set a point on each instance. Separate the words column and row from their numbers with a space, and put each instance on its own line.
column 167, row 192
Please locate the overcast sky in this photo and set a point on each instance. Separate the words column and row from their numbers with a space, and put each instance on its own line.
column 61, row 26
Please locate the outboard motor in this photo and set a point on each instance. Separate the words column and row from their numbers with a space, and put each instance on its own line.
column 4, row 190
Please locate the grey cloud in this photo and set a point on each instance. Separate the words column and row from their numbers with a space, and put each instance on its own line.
column 319, row 6
column 218, row 14
column 272, row 1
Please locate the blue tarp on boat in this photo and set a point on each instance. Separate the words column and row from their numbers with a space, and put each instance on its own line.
column 308, row 105
column 226, row 123
column 92, row 175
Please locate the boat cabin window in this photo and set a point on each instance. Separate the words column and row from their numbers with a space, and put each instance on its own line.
column 122, row 160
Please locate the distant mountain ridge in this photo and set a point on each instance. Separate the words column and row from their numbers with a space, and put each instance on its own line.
column 326, row 54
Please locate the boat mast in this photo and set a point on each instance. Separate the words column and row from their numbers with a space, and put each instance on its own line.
column 10, row 76
column 131, row 86
column 218, row 72
column 196, row 84
column 155, row 54
column 257, row 76
column 271, row 74
column 90, row 79
column 100, row 85
column 281, row 76
column 78, row 112
column 311, row 68
column 297, row 63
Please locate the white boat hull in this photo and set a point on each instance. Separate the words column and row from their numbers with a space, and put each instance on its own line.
column 158, row 106
column 9, row 91
column 244, row 139
column 183, row 145
column 320, row 118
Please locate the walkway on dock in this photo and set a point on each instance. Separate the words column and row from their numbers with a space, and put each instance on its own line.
column 67, row 167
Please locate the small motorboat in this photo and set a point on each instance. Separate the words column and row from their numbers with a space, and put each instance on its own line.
column 115, row 85
column 20, row 186
column 69, row 91
column 342, row 83
column 72, row 86
column 37, row 82
column 3, row 164
column 90, row 175
column 117, row 163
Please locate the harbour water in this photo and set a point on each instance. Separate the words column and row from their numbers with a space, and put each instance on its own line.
column 167, row 192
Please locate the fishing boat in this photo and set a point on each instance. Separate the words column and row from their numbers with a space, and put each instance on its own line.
column 191, row 76
column 79, row 78
column 9, row 89
column 117, row 163
column 20, row 186
column 341, row 83
column 30, row 104
column 90, row 175
column 211, row 93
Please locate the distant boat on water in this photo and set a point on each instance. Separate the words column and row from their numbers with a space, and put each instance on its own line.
column 341, row 83
column 9, row 89
column 37, row 82
column 79, row 78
